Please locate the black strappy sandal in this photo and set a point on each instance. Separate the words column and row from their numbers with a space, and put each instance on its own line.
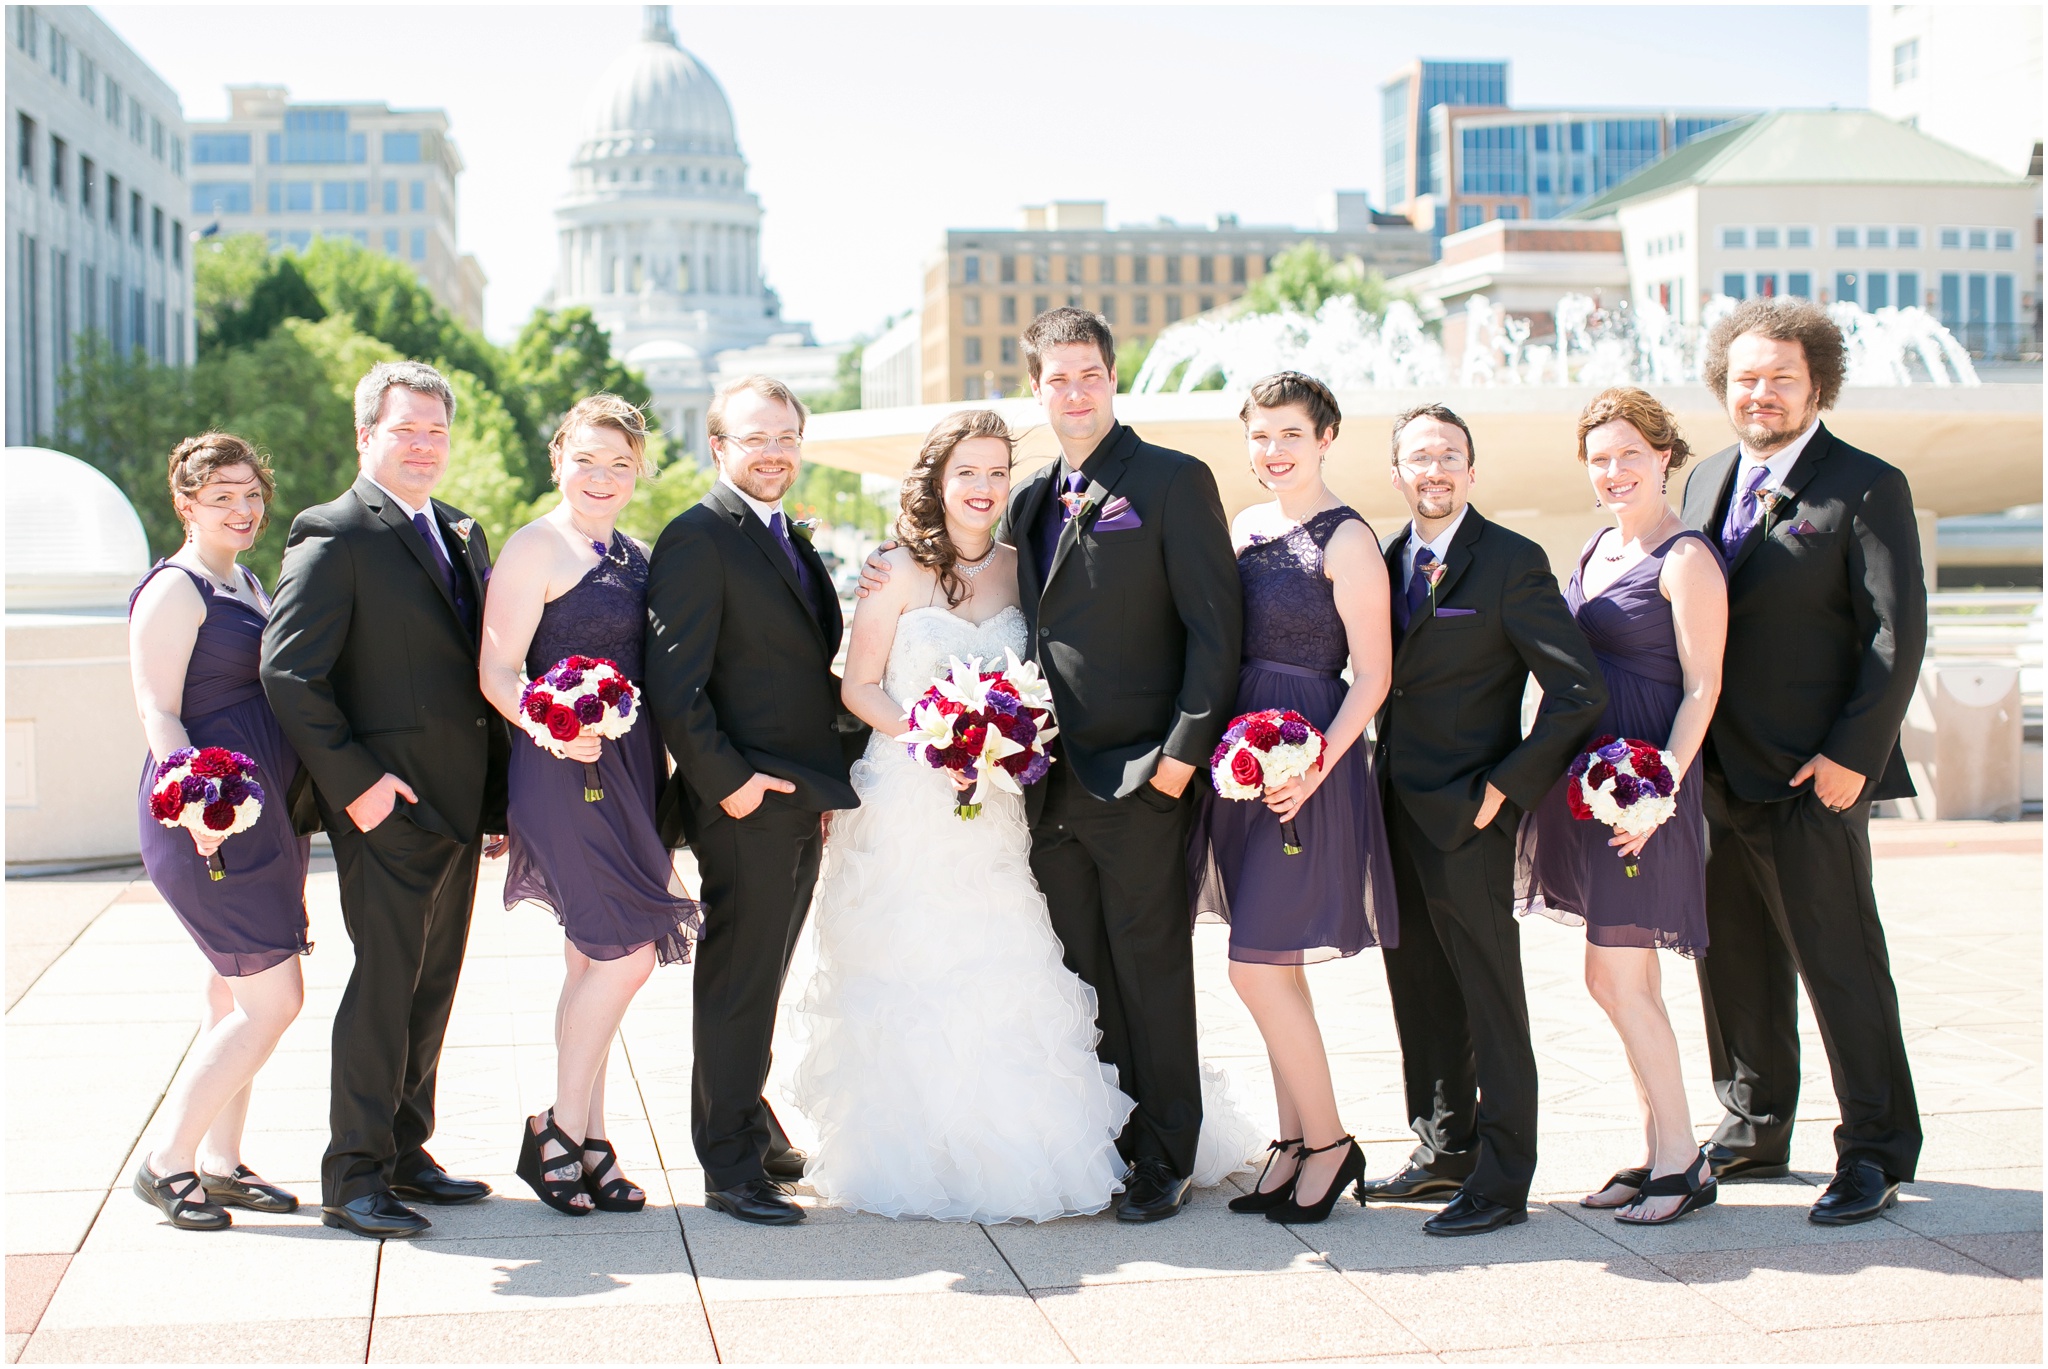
column 1255, row 1201
column 246, row 1188
column 610, row 1195
column 534, row 1169
column 1634, row 1178
column 172, row 1196
column 1695, row 1184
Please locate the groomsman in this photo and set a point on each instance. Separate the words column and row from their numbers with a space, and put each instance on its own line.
column 370, row 663
column 1827, row 621
column 1476, row 612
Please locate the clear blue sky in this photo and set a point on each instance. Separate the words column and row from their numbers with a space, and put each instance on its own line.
column 870, row 130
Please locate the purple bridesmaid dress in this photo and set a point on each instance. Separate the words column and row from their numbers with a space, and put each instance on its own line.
column 600, row 868
column 256, row 917
column 1564, row 867
column 1337, row 897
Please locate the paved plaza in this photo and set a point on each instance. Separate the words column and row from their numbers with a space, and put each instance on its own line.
column 102, row 1008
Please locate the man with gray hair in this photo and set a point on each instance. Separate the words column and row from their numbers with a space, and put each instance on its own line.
column 370, row 663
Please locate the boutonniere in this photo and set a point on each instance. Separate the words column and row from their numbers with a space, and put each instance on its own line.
column 463, row 528
column 1078, row 505
column 1777, row 506
column 1434, row 574
column 802, row 527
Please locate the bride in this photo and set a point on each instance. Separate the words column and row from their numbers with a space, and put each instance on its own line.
column 949, row 1058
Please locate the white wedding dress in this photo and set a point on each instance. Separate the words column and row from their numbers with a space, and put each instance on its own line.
column 948, row 1054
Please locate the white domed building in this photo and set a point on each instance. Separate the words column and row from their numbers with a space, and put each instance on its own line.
column 661, row 238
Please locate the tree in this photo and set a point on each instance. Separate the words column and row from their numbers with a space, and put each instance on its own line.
column 562, row 356
column 1304, row 276
column 241, row 291
column 845, row 392
column 1130, row 359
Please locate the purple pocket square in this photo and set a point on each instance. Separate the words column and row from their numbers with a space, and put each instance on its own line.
column 1803, row 528
column 1456, row 612
column 1117, row 516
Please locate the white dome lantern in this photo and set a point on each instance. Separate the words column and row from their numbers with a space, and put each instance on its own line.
column 74, row 542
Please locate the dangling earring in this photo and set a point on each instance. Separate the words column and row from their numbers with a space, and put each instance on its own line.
column 1596, row 501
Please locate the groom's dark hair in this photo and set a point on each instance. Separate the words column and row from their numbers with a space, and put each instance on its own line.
column 1058, row 327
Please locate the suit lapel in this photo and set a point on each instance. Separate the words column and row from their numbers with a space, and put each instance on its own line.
column 1716, row 476
column 459, row 546
column 1817, row 450
column 391, row 516
column 1025, row 510
column 1100, row 487
column 1457, row 560
column 754, row 530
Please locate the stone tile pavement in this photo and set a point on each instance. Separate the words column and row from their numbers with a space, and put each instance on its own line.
column 102, row 1006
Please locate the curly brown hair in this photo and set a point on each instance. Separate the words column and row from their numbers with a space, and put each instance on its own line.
column 1782, row 318
column 197, row 460
column 921, row 527
column 1641, row 411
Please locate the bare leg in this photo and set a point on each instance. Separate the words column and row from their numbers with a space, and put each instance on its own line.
column 1277, row 996
column 586, row 1023
column 245, row 1016
column 1627, row 984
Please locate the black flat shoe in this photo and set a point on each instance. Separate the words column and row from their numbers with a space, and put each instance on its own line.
column 182, row 1198
column 1257, row 1201
column 1695, row 1184
column 1734, row 1166
column 1634, row 1177
column 1411, row 1184
column 535, row 1167
column 1859, row 1192
column 1471, row 1215
column 1153, row 1192
column 614, row 1194
column 1350, row 1171
column 757, row 1201
column 244, row 1188
column 437, row 1186
column 379, row 1216
column 786, row 1164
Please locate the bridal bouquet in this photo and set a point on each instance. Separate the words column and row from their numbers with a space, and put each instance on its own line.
column 582, row 694
column 1624, row 783
column 207, row 789
column 1262, row 751
column 984, row 724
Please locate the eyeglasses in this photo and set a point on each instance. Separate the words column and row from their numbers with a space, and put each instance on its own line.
column 755, row 444
column 1450, row 463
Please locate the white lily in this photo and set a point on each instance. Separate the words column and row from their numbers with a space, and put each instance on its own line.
column 963, row 684
column 929, row 726
column 993, row 749
column 1031, row 686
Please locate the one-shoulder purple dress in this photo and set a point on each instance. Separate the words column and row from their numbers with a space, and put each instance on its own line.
column 1564, row 867
column 255, row 917
column 599, row 867
column 1337, row 897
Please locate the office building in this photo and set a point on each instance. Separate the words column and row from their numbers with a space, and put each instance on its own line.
column 1835, row 205
column 1968, row 74
column 984, row 285
column 1522, row 266
column 382, row 176
column 889, row 376
column 96, row 208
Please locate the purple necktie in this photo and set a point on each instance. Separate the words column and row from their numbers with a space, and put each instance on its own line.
column 1742, row 513
column 454, row 581
column 1055, row 523
column 780, row 527
column 1418, row 587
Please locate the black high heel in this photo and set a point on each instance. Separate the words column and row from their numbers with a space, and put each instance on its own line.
column 609, row 1195
column 1634, row 1177
column 1695, row 1184
column 1255, row 1201
column 556, row 1193
column 1350, row 1173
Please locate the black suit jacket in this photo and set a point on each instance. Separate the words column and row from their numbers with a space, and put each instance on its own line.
column 369, row 667
column 1139, row 631
column 739, row 666
column 1827, row 621
column 1452, row 722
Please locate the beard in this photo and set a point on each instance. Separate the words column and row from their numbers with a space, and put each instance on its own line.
column 1435, row 503
column 764, row 488
column 1762, row 435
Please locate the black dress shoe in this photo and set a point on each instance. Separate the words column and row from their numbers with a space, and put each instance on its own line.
column 1734, row 1166
column 1411, row 1184
column 1153, row 1192
column 1860, row 1191
column 786, row 1164
column 439, row 1187
column 376, row 1215
column 757, row 1201
column 1471, row 1215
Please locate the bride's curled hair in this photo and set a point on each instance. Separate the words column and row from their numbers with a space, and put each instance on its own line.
column 921, row 527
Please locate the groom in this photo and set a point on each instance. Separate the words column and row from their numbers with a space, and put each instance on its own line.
column 743, row 625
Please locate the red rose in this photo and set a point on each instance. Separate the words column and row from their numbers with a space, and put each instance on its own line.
column 219, row 816
column 166, row 804
column 537, row 704
column 972, row 738
column 1575, row 800
column 1245, row 769
column 1264, row 734
column 1601, row 740
column 563, row 725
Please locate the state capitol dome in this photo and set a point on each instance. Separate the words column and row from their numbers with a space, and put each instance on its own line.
column 657, row 98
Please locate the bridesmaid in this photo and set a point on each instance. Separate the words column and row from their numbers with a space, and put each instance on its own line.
column 1652, row 599
column 1315, row 596
column 570, row 584
column 193, row 639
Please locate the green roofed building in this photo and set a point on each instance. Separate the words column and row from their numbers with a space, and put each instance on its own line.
column 1835, row 205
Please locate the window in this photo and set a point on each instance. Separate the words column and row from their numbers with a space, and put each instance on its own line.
column 1470, row 216
column 1951, row 239
column 970, row 310
column 1237, row 269
column 135, row 216
column 1845, row 237
column 2002, row 240
column 1173, row 270
column 1908, row 289
column 1141, row 307
column 1735, row 237
column 57, row 160
column 1173, row 308
column 1877, row 236
column 970, row 351
column 1009, row 269
column 417, row 197
column 1105, row 270
column 1799, row 237
column 1205, row 270
column 1108, row 309
column 1009, row 309
column 85, row 170
column 401, row 147
column 1906, row 62
column 1009, row 351
column 114, row 204
column 299, row 239
column 2001, row 300
column 220, row 149
column 1877, row 291
column 970, row 269
column 1951, row 299
column 1845, row 286
column 156, row 141
column 1909, row 239
column 1766, row 284
column 1141, row 270
column 1799, row 283
column 1979, row 298
column 1766, row 237
column 1073, row 268
column 1041, row 269
column 1508, row 211
column 1979, row 239
column 114, row 298
column 1578, row 137
column 291, row 197
column 316, row 135
column 390, row 241
column 419, row 244
column 1205, row 303
column 334, row 197
column 1731, row 285
column 1039, row 304
column 25, row 148
column 178, row 166
column 391, row 197
column 156, row 230
column 113, row 102
column 1073, row 299
column 177, row 242
column 1491, row 161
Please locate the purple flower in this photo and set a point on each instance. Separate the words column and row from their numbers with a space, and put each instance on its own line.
column 181, row 755
column 1615, row 752
column 252, row 790
column 234, row 789
column 589, row 709
column 1035, row 771
column 1222, row 749
column 625, row 705
column 1293, row 733
column 1579, row 764
column 1662, row 784
column 934, row 757
column 567, row 679
column 1004, row 704
column 1627, row 789
column 192, row 789
column 212, row 788
column 247, row 763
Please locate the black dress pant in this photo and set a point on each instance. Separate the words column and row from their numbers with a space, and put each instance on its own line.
column 405, row 899
column 758, row 873
column 1114, row 876
column 1460, row 1010
column 1789, row 898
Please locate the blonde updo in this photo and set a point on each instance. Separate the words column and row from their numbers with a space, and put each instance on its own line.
column 196, row 461
column 603, row 410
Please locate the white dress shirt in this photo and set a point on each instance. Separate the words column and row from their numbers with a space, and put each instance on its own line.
column 1778, row 463
column 411, row 513
column 1437, row 545
column 766, row 512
